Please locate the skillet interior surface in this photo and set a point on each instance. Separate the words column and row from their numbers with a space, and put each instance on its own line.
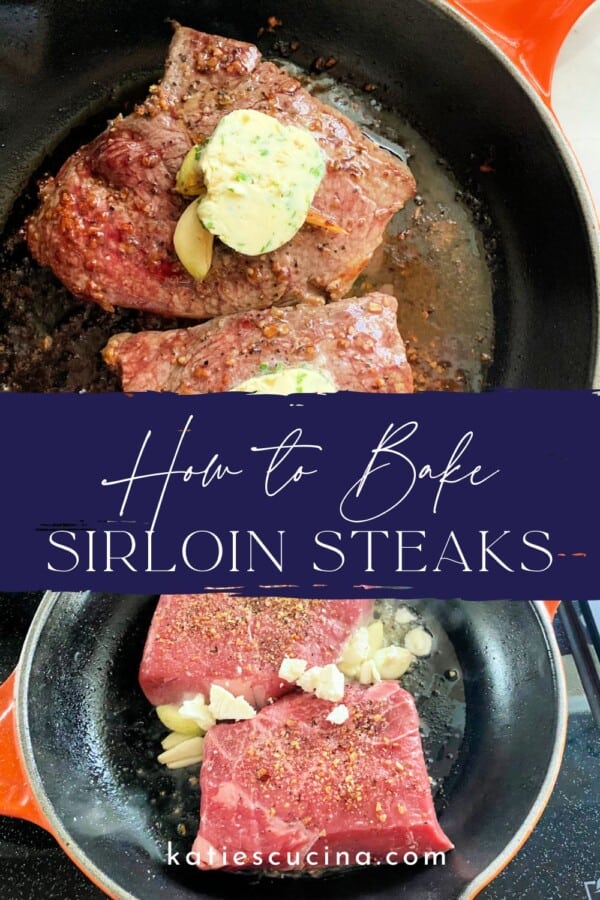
column 495, row 138
column 93, row 742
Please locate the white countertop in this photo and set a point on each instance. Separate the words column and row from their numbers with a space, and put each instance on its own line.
column 576, row 94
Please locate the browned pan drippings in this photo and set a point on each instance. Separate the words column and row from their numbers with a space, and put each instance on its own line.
column 433, row 258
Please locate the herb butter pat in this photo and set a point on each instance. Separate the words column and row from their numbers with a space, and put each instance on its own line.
column 260, row 178
column 293, row 380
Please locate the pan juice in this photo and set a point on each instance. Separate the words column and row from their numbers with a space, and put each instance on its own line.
column 437, row 256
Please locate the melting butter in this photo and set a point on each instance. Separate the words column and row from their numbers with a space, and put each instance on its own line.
column 293, row 380
column 261, row 177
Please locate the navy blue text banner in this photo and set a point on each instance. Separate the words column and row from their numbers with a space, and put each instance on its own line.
column 475, row 496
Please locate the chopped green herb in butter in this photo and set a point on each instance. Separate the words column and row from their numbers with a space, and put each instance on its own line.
column 261, row 177
column 287, row 381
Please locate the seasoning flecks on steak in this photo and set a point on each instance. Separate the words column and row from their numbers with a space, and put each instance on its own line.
column 106, row 221
column 196, row 640
column 354, row 342
column 290, row 790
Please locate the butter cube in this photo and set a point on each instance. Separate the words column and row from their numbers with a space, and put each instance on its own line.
column 338, row 715
column 223, row 705
column 291, row 668
column 197, row 710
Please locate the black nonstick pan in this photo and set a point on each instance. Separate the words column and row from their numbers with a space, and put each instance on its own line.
column 471, row 76
column 78, row 744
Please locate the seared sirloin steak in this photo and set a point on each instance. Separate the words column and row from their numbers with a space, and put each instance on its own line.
column 196, row 640
column 354, row 343
column 291, row 782
column 106, row 221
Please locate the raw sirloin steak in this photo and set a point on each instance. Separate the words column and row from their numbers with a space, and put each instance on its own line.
column 106, row 221
column 196, row 640
column 290, row 782
column 354, row 343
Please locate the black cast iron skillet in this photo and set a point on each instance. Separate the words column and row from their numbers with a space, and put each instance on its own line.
column 63, row 61
column 78, row 744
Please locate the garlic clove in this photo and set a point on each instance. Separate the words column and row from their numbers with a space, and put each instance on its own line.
column 392, row 662
column 174, row 738
column 192, row 749
column 375, row 634
column 193, row 243
column 171, row 718
column 189, row 180
column 418, row 641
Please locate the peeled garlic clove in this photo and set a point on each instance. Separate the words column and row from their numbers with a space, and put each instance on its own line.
column 393, row 662
column 171, row 718
column 375, row 633
column 351, row 671
column 368, row 673
column 192, row 749
column 184, row 763
column 174, row 738
column 418, row 641
column 190, row 181
column 193, row 243
column 356, row 649
column 404, row 615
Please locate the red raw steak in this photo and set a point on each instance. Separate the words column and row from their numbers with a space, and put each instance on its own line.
column 106, row 221
column 196, row 640
column 354, row 342
column 290, row 782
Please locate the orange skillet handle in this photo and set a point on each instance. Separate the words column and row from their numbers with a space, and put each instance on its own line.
column 551, row 607
column 529, row 32
column 16, row 796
